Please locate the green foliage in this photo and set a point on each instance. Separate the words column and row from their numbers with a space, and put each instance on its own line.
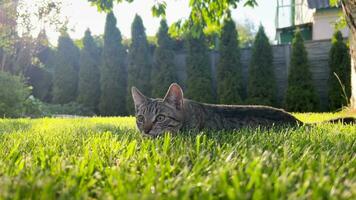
column 247, row 33
column 89, row 73
column 140, row 61
column 41, row 81
column 13, row 93
column 106, row 158
column 339, row 63
column 301, row 96
column 33, row 107
column 47, row 57
column 229, row 79
column 71, row 109
column 261, row 88
column 22, row 58
column 205, row 12
column 65, row 81
column 113, row 71
column 199, row 80
column 163, row 70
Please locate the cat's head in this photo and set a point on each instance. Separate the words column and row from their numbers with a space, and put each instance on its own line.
column 156, row 116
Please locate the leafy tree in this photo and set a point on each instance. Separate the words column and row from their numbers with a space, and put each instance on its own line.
column 301, row 96
column 113, row 71
column 41, row 81
column 247, row 33
column 44, row 53
column 163, row 70
column 261, row 79
column 199, row 81
column 230, row 89
column 205, row 12
column 65, row 81
column 339, row 63
column 13, row 93
column 140, row 61
column 89, row 74
column 40, row 74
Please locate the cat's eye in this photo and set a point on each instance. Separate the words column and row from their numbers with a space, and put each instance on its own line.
column 140, row 118
column 160, row 118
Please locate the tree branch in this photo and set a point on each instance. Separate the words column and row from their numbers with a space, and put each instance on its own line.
column 348, row 9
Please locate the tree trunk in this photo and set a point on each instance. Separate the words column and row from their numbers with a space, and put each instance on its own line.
column 349, row 9
column 353, row 70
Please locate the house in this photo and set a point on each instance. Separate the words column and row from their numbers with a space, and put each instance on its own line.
column 315, row 18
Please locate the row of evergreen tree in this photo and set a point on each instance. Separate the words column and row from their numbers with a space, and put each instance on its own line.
column 301, row 95
column 99, row 78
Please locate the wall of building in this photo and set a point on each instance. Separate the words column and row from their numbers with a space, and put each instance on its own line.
column 303, row 14
column 323, row 24
column 318, row 54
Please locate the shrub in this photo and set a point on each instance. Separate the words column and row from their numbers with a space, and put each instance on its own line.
column 89, row 74
column 13, row 93
column 229, row 79
column 140, row 61
column 199, row 80
column 113, row 71
column 261, row 79
column 163, row 69
column 339, row 63
column 41, row 81
column 71, row 108
column 301, row 96
column 65, row 83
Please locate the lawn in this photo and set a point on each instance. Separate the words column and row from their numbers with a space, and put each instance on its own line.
column 106, row 158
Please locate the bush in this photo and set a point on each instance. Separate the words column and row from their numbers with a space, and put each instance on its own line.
column 163, row 70
column 71, row 108
column 113, row 80
column 229, row 79
column 261, row 79
column 41, row 81
column 35, row 108
column 89, row 74
column 13, row 93
column 199, row 80
column 140, row 62
column 65, row 82
column 301, row 96
column 339, row 63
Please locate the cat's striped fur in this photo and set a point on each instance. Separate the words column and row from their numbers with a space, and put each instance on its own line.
column 173, row 113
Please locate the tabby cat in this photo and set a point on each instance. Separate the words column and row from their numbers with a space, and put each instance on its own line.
column 173, row 113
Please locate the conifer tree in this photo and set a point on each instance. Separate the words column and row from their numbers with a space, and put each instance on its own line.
column 113, row 79
column 339, row 63
column 89, row 74
column 65, row 81
column 230, row 89
column 261, row 79
column 140, row 61
column 301, row 96
column 199, row 81
column 163, row 69
column 40, row 75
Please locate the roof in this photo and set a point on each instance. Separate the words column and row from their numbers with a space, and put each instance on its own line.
column 318, row 4
column 288, row 28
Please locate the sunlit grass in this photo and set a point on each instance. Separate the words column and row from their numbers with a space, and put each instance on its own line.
column 106, row 158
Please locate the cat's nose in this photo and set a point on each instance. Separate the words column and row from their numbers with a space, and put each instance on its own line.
column 147, row 128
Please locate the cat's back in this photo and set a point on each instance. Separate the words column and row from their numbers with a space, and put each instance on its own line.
column 237, row 116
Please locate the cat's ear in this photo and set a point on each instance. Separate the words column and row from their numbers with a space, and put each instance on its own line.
column 174, row 96
column 138, row 97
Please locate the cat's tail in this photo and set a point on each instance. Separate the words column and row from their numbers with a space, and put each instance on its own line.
column 343, row 120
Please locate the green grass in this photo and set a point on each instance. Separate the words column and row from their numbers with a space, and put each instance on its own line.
column 106, row 158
